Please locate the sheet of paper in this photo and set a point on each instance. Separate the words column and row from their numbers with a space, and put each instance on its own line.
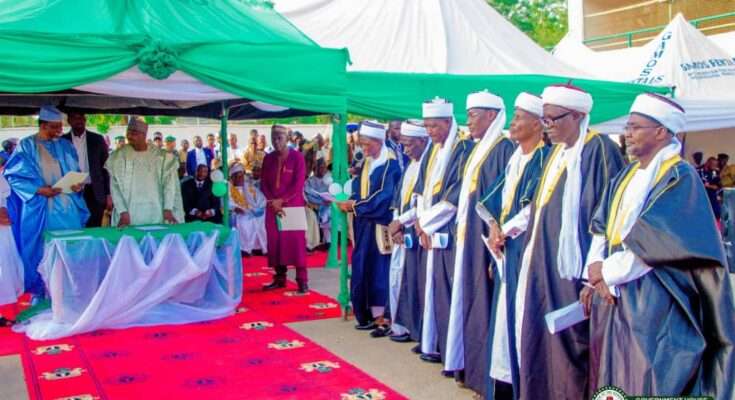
column 563, row 318
column 151, row 228
column 69, row 180
column 294, row 219
column 326, row 196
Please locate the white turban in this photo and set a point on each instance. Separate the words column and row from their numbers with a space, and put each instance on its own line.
column 438, row 108
column 413, row 130
column 235, row 168
column 49, row 114
column 568, row 96
column 662, row 109
column 530, row 103
column 373, row 130
column 569, row 256
column 484, row 99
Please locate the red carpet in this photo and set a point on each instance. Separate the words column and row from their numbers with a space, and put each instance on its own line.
column 250, row 355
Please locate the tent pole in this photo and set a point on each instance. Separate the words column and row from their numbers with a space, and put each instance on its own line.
column 225, row 167
column 339, row 219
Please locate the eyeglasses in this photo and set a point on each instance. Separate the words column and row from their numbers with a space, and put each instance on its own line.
column 549, row 121
column 634, row 127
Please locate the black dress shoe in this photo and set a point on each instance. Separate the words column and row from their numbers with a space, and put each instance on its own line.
column 303, row 288
column 366, row 327
column 416, row 349
column 448, row 374
column 381, row 331
column 276, row 284
column 431, row 358
column 405, row 338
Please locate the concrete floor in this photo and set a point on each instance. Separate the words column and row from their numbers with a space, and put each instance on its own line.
column 391, row 363
column 12, row 383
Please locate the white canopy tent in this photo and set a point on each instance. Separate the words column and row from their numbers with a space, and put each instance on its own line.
column 701, row 72
column 458, row 36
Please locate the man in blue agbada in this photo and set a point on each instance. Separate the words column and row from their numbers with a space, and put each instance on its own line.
column 39, row 162
column 372, row 194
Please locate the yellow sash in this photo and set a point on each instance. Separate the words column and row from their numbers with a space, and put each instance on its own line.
column 365, row 179
column 238, row 198
column 429, row 166
column 507, row 207
column 617, row 217
column 476, row 173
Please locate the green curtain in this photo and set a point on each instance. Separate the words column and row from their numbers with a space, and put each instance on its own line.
column 244, row 48
column 398, row 95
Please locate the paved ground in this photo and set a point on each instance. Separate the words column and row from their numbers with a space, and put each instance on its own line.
column 12, row 385
column 392, row 363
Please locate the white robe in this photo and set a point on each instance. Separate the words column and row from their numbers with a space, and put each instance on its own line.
column 11, row 265
column 251, row 224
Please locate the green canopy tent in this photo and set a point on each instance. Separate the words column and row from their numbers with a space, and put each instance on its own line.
column 167, row 57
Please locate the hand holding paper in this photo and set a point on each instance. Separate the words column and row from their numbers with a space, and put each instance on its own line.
column 71, row 180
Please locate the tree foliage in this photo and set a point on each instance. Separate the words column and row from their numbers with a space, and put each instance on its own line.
column 544, row 21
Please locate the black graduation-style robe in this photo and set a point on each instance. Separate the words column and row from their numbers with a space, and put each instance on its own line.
column 493, row 201
column 443, row 263
column 370, row 269
column 477, row 287
column 410, row 308
column 671, row 331
column 556, row 366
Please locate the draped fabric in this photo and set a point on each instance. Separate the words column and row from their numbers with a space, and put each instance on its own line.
column 370, row 268
column 678, row 314
column 49, row 46
column 32, row 213
column 505, row 284
column 144, row 184
column 469, row 320
column 96, row 284
column 556, row 366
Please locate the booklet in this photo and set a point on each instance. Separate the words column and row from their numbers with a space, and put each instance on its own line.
column 293, row 220
column 69, row 180
column 563, row 318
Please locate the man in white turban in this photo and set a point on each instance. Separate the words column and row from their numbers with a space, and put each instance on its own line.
column 438, row 190
column 144, row 181
column 247, row 205
column 372, row 194
column 555, row 365
column 507, row 205
column 467, row 351
column 406, row 299
column 662, row 315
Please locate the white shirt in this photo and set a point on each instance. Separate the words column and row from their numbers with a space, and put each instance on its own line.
column 80, row 143
column 201, row 157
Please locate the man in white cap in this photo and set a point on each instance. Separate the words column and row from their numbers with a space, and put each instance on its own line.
column 35, row 206
column 144, row 181
column 372, row 193
column 247, row 204
column 508, row 204
column 405, row 275
column 438, row 190
column 662, row 317
column 469, row 317
column 555, row 366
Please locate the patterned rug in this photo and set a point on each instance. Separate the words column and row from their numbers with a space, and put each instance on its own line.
column 251, row 355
